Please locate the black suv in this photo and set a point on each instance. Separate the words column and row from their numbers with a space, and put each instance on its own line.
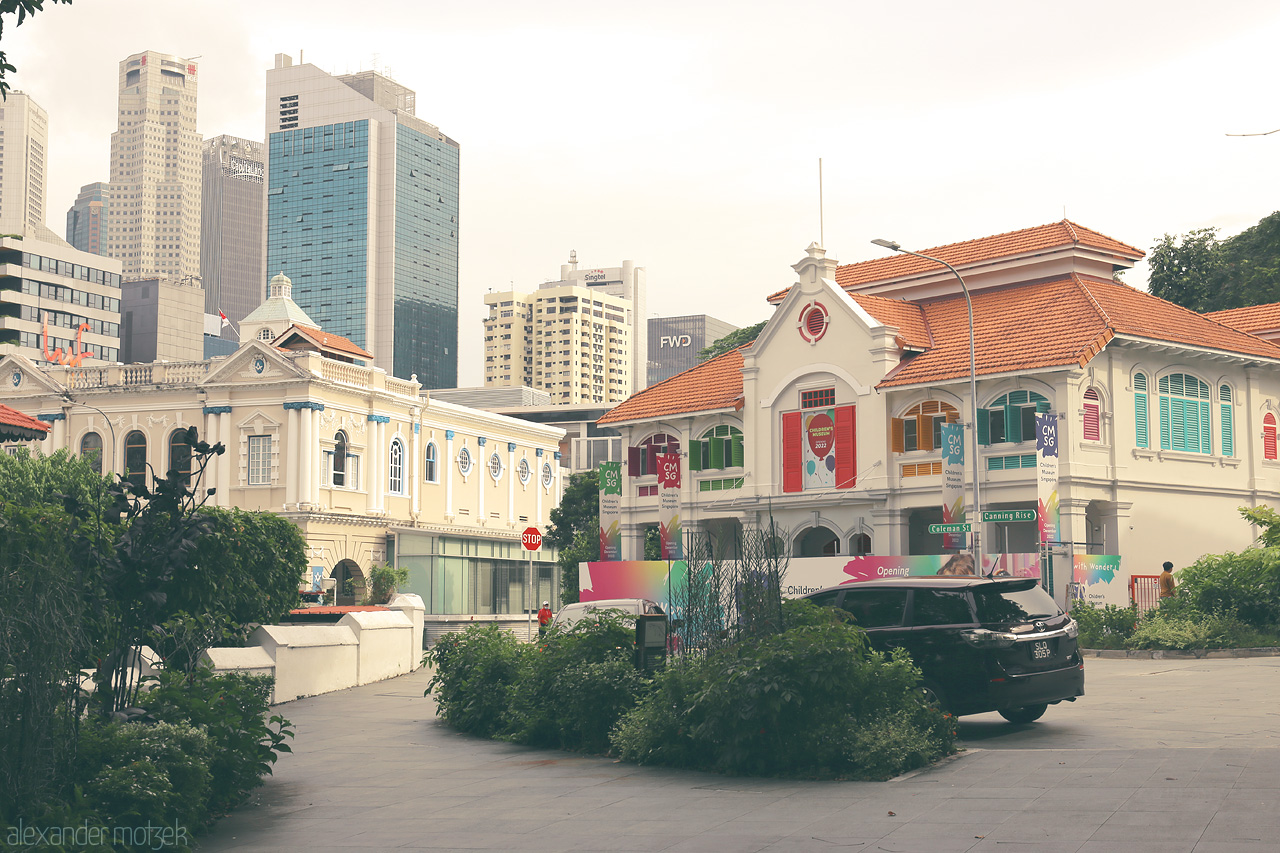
column 982, row 644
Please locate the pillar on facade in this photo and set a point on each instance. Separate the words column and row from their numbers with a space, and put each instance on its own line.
column 633, row 541
column 890, row 532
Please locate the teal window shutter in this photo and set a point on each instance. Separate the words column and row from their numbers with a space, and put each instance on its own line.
column 738, row 456
column 1228, row 426
column 984, row 428
column 1012, row 422
column 1042, row 406
column 1142, row 439
column 1164, row 423
column 1205, row 432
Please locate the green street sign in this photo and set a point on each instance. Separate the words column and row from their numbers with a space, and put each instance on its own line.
column 1009, row 515
column 950, row 528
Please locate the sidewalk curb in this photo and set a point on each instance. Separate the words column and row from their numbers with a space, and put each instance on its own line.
column 1180, row 654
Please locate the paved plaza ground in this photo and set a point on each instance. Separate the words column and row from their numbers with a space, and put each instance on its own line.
column 1161, row 756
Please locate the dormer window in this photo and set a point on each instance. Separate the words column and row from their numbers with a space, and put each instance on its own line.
column 265, row 336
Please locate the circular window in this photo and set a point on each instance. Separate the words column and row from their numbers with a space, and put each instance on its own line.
column 523, row 471
column 495, row 467
column 464, row 461
column 546, row 474
column 813, row 322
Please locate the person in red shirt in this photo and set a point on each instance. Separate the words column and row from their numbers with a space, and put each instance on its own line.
column 544, row 618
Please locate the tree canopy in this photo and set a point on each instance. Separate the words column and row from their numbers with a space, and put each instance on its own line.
column 1201, row 272
column 733, row 340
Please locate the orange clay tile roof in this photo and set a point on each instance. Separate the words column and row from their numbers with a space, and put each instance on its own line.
column 1253, row 319
column 906, row 317
column 1038, row 239
column 328, row 341
column 1055, row 323
column 714, row 384
column 13, row 418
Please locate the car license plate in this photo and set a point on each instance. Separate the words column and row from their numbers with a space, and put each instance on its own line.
column 1041, row 650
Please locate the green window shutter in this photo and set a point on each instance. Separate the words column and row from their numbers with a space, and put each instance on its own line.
column 1206, row 434
column 1042, row 406
column 995, row 463
column 1029, row 461
column 1178, row 425
column 1228, row 436
column 717, row 453
column 984, row 428
column 1165, row 443
column 1142, row 439
column 1012, row 423
column 695, row 455
column 738, row 455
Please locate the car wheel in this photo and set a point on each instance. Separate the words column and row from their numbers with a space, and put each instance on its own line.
column 1025, row 714
column 931, row 696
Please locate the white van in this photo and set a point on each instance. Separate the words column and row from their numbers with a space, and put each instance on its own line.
column 571, row 614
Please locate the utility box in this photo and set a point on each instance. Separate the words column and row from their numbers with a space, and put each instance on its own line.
column 651, row 642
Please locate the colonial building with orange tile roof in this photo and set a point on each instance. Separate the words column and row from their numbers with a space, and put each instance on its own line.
column 368, row 466
column 829, row 425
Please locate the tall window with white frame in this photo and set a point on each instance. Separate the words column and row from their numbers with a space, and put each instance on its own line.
column 395, row 468
column 259, row 460
column 1184, row 414
column 429, row 461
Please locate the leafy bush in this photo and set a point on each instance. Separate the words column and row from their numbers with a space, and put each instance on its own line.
column 135, row 772
column 475, row 671
column 383, row 581
column 1104, row 627
column 575, row 684
column 810, row 701
column 1247, row 583
column 232, row 710
column 1165, row 629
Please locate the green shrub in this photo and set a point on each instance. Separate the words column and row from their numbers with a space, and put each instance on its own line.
column 1247, row 583
column 475, row 671
column 383, row 581
column 575, row 685
column 1104, row 627
column 134, row 773
column 1191, row 630
column 810, row 701
column 232, row 710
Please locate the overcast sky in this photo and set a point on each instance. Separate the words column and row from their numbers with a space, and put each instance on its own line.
column 686, row 135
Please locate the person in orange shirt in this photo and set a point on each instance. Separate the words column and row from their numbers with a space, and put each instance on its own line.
column 544, row 618
column 1167, row 586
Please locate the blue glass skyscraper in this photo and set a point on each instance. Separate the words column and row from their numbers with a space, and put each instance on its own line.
column 362, row 215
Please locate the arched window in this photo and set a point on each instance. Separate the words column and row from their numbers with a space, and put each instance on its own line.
column 920, row 427
column 719, row 447
column 1011, row 419
column 265, row 335
column 91, row 450
column 179, row 452
column 395, row 467
column 643, row 459
column 135, row 458
column 1184, row 414
column 429, row 463
column 817, row 542
column 339, row 460
column 860, row 544
column 1092, row 427
column 1269, row 436
column 1142, row 436
column 1228, row 422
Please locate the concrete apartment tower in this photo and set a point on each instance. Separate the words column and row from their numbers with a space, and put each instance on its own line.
column 87, row 219
column 231, row 263
column 362, row 215
column 23, row 185
column 575, row 338
column 155, row 170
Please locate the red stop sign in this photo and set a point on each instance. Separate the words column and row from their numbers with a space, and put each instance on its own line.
column 531, row 539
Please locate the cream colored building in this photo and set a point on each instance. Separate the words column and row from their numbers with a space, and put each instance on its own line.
column 24, row 143
column 154, row 227
column 575, row 338
column 370, row 469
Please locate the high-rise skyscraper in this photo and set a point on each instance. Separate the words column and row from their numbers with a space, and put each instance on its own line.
column 575, row 338
column 155, row 170
column 231, row 229
column 24, row 141
column 362, row 215
column 87, row 218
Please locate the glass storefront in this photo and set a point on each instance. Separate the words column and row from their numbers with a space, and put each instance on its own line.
column 457, row 575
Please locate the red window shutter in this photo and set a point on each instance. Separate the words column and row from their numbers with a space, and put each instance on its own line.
column 652, row 467
column 846, row 447
column 1269, row 437
column 1092, row 431
column 633, row 461
column 792, row 451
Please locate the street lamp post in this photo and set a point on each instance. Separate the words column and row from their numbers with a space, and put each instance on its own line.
column 973, row 396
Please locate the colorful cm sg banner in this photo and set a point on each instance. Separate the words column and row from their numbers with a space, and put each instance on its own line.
column 953, row 505
column 610, row 510
column 669, row 537
column 1047, row 477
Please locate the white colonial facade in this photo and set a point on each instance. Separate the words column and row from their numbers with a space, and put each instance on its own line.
column 1166, row 419
column 369, row 468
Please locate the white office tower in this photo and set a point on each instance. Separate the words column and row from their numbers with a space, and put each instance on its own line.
column 155, row 170
column 574, row 338
column 24, row 141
